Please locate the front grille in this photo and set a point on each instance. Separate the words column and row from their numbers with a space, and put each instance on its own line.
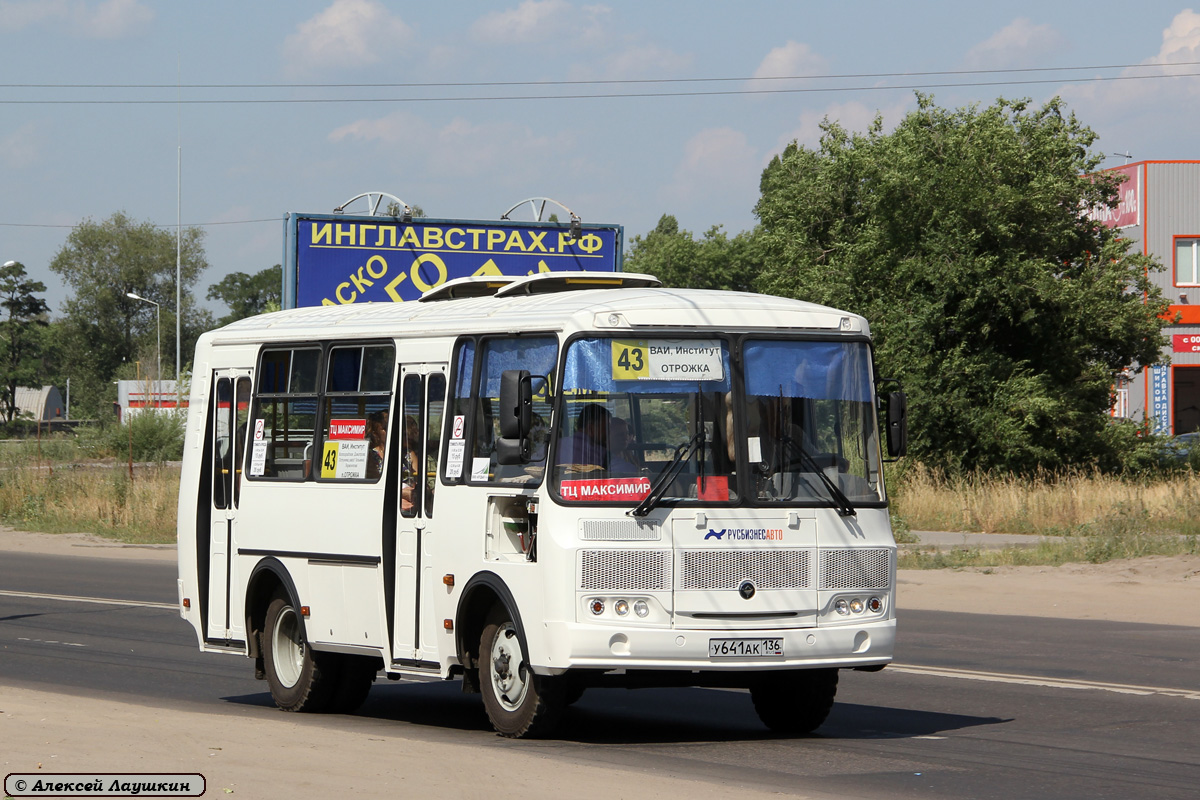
column 625, row 570
column 855, row 568
column 727, row 569
column 619, row 530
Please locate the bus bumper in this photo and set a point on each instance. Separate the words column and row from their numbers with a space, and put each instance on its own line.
column 612, row 647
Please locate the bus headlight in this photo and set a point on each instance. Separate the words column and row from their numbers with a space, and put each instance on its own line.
column 621, row 607
column 856, row 605
column 842, row 607
column 641, row 608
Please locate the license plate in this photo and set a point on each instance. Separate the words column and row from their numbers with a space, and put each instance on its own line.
column 745, row 648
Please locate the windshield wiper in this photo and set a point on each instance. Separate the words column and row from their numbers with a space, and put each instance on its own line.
column 682, row 453
column 840, row 501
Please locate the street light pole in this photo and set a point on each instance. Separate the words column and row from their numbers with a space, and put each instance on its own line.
column 158, row 349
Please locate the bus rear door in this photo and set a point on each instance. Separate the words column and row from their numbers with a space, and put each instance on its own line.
column 230, row 407
column 420, row 406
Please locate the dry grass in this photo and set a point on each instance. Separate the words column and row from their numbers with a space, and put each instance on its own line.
column 1065, row 505
column 96, row 498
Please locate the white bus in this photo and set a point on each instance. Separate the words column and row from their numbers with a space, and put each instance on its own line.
column 542, row 485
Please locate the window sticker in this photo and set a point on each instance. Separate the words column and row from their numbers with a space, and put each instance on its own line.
column 345, row 451
column 667, row 360
column 258, row 457
column 455, row 452
column 479, row 468
column 615, row 489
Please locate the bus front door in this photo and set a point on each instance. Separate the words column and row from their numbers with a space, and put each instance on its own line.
column 420, row 404
column 229, row 409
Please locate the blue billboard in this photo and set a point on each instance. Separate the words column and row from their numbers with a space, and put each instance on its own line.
column 336, row 259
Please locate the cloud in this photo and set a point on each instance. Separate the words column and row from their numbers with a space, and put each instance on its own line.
column 718, row 164
column 109, row 19
column 1181, row 39
column 1120, row 108
column 853, row 116
column 540, row 21
column 792, row 59
column 460, row 147
column 20, row 148
column 1018, row 44
column 347, row 34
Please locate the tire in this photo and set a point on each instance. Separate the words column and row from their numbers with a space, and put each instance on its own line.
column 355, row 674
column 300, row 680
column 795, row 702
column 519, row 703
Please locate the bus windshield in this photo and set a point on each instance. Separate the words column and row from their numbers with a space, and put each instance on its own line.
column 638, row 410
column 664, row 415
column 808, row 409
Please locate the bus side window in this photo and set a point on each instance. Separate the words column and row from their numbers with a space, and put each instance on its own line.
column 286, row 408
column 410, row 446
column 222, row 443
column 435, row 407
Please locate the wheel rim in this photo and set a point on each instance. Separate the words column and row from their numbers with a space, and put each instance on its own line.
column 287, row 647
column 510, row 677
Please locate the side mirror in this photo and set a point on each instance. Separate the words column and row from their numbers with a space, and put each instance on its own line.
column 516, row 403
column 897, row 424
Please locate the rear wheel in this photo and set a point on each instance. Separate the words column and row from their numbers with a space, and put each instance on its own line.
column 795, row 702
column 519, row 703
column 299, row 679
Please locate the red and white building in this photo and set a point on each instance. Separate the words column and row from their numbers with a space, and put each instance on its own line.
column 1159, row 211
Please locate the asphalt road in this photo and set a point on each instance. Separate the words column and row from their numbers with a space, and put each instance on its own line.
column 975, row 707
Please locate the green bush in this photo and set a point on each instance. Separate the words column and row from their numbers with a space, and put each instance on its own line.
column 155, row 437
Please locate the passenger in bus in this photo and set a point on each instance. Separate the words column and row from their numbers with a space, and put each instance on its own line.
column 587, row 448
column 621, row 460
column 377, row 436
column 409, row 471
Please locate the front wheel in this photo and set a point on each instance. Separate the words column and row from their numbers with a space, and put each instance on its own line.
column 297, row 678
column 519, row 703
column 795, row 702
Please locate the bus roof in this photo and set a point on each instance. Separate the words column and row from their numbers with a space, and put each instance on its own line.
column 616, row 310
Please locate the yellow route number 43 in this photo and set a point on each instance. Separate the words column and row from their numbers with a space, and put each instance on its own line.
column 630, row 360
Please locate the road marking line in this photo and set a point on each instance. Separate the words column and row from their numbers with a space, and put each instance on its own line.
column 1054, row 683
column 44, row 641
column 98, row 600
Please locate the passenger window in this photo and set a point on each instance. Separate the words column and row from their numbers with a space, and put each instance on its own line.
column 358, row 394
column 410, row 447
column 285, row 414
column 435, row 405
column 539, row 355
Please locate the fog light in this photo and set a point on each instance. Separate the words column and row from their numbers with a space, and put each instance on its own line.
column 597, row 606
column 641, row 608
column 875, row 604
column 856, row 605
column 842, row 607
column 621, row 607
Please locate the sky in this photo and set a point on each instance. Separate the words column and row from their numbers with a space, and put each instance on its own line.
column 621, row 111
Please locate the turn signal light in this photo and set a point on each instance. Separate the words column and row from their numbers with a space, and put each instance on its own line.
column 448, row 580
column 304, row 612
column 448, row 624
column 187, row 602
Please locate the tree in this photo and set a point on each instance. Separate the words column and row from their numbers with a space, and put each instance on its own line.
column 714, row 262
column 248, row 295
column 20, row 341
column 103, row 328
column 963, row 237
